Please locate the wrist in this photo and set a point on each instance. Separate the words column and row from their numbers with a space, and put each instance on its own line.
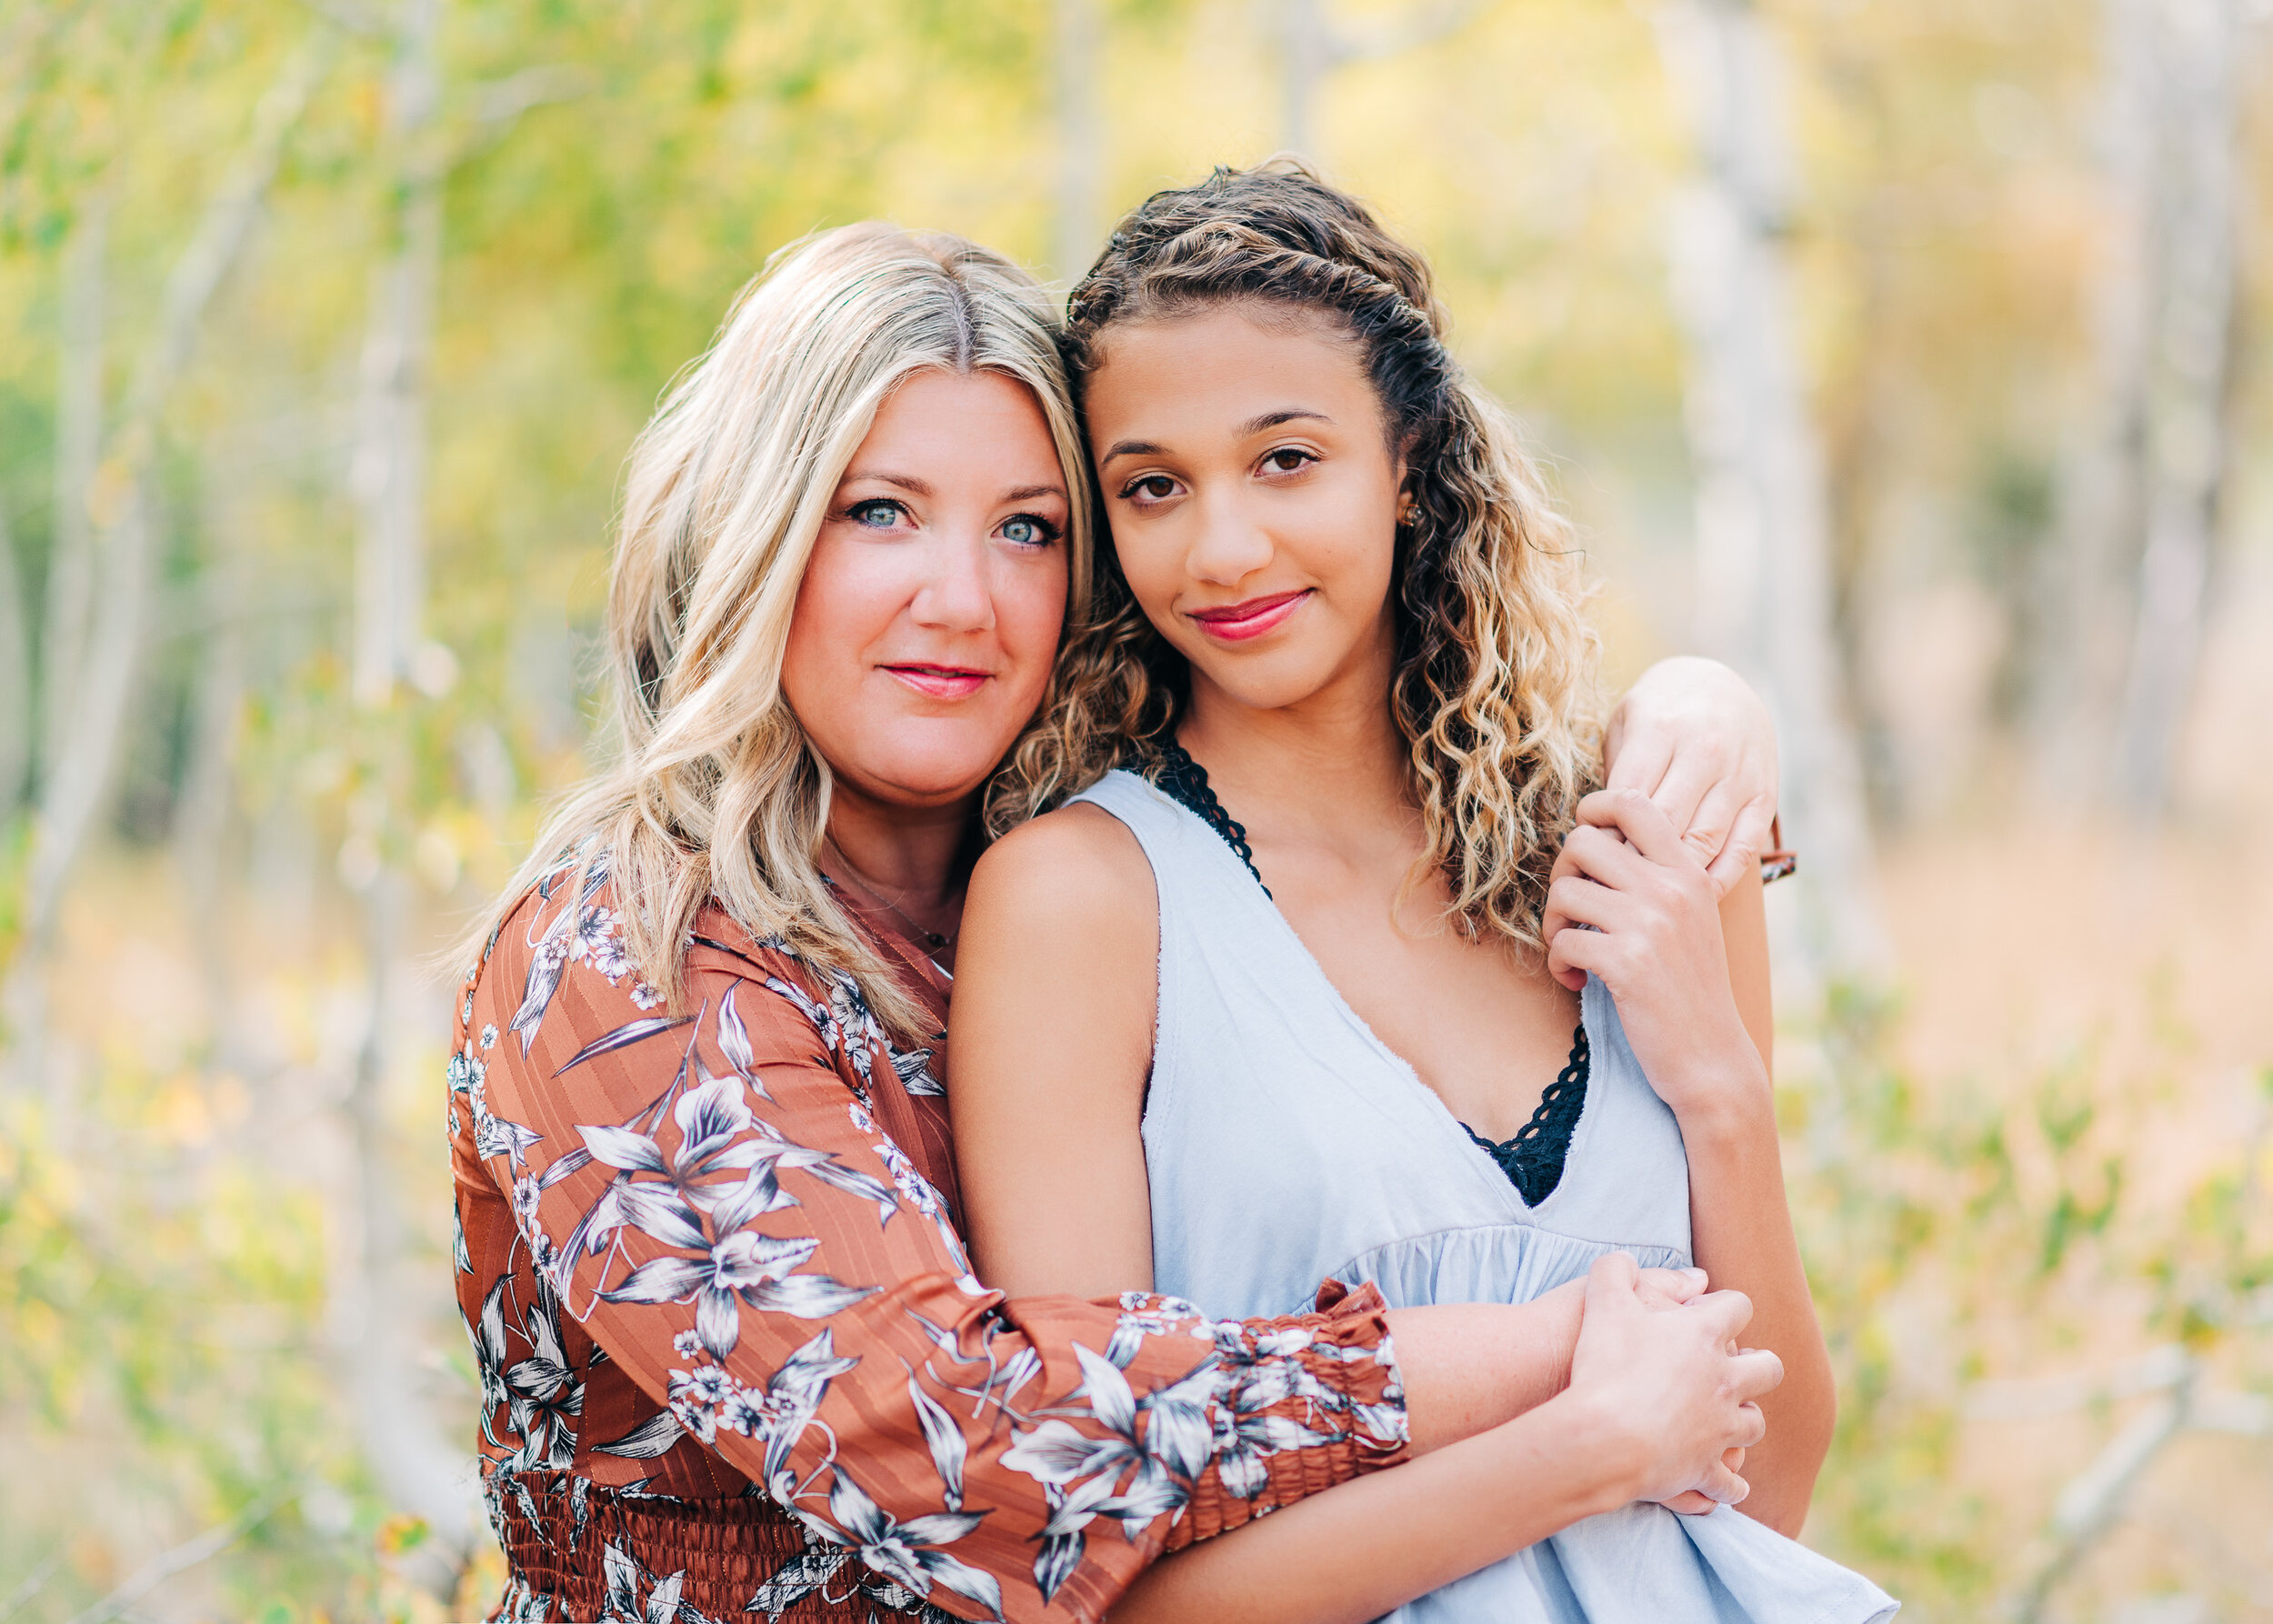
column 1601, row 1463
column 1566, row 1308
column 1722, row 1100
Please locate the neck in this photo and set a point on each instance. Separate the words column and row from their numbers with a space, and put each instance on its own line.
column 1331, row 756
column 918, row 856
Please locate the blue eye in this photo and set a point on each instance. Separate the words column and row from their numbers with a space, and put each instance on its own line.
column 1027, row 531
column 877, row 515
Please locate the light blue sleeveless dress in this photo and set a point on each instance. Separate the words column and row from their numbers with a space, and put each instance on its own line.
column 1286, row 1145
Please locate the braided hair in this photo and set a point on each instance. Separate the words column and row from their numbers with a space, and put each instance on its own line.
column 1492, row 689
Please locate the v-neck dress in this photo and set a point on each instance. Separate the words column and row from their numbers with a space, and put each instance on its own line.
column 1286, row 1143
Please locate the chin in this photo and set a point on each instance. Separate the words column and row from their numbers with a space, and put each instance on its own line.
column 1285, row 678
column 911, row 769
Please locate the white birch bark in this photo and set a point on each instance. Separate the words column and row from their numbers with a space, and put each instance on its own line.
column 2191, row 340
column 2137, row 544
column 1764, row 589
column 16, row 676
column 1307, row 53
column 2083, row 574
column 388, row 476
column 79, row 446
column 1080, row 139
column 417, row 1466
column 202, row 811
column 95, row 688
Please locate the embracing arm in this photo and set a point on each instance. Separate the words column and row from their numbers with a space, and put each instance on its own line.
column 1693, row 737
column 1690, row 977
column 1656, row 1401
column 1052, row 1037
column 711, row 1197
column 1051, row 1030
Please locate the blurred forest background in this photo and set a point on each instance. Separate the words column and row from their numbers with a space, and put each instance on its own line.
column 1912, row 355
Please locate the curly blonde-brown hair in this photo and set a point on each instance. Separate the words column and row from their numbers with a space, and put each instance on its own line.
column 1494, row 688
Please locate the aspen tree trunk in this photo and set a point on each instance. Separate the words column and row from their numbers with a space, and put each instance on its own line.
column 417, row 1466
column 79, row 446
column 16, row 678
column 1080, row 139
column 2083, row 579
column 1307, row 56
column 1764, row 589
column 2190, row 341
column 201, row 814
column 90, row 695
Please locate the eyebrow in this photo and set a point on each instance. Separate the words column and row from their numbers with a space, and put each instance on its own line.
column 1256, row 426
column 909, row 483
column 1253, row 426
column 906, row 482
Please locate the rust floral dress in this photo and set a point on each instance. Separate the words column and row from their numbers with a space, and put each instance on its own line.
column 734, row 1361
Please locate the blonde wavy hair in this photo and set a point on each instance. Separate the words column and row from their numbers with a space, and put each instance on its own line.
column 1495, row 685
column 715, row 789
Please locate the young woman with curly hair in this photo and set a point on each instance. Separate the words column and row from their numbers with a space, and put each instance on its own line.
column 1339, row 964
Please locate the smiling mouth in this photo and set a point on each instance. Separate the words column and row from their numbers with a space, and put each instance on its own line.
column 1235, row 623
column 941, row 682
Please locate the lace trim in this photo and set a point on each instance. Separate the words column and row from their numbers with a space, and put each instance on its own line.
column 1533, row 1160
column 1184, row 781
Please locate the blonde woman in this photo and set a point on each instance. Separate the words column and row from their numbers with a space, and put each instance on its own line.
column 1291, row 992
column 734, row 1361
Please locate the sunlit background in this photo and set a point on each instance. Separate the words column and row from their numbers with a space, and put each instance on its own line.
column 1911, row 355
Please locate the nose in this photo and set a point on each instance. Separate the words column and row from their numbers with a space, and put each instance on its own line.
column 1230, row 545
column 958, row 594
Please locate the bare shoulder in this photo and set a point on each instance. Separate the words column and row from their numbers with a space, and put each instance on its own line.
column 1077, row 867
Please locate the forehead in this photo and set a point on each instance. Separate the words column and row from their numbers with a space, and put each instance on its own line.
column 1230, row 360
column 976, row 421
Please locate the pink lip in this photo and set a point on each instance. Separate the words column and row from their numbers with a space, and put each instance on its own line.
column 1235, row 623
column 941, row 682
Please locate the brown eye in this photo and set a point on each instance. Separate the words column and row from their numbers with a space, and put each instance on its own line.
column 1152, row 487
column 1287, row 459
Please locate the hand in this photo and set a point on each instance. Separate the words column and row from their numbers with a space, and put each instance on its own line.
column 1629, row 902
column 1693, row 737
column 1669, row 1289
column 1672, row 1394
column 1664, row 1287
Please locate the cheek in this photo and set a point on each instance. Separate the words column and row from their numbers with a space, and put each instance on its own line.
column 1153, row 571
column 837, row 615
column 1030, row 617
column 1352, row 543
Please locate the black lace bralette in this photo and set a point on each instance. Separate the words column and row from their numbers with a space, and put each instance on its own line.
column 1533, row 1160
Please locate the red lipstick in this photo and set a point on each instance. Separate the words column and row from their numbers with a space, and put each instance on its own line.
column 1236, row 623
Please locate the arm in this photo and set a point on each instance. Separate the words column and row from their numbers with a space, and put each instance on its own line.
column 1051, row 1031
column 708, row 1195
column 1657, row 941
column 1051, row 1034
column 1641, row 1382
column 1694, row 738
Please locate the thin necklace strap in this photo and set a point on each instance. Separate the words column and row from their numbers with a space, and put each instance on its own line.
column 930, row 939
column 1184, row 781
